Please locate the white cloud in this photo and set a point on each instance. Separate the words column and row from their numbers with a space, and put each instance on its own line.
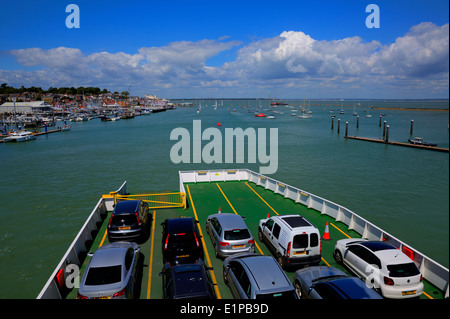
column 416, row 62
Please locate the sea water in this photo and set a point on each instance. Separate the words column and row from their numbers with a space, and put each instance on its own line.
column 50, row 185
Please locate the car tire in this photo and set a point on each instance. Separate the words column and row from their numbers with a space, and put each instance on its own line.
column 260, row 235
column 298, row 289
column 338, row 257
column 280, row 261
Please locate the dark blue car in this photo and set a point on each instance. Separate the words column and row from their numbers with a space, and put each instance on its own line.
column 320, row 282
column 187, row 281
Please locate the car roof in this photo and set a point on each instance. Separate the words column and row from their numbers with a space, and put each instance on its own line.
column 295, row 221
column 266, row 272
column 126, row 207
column 230, row 221
column 189, row 280
column 180, row 225
column 109, row 255
column 376, row 245
column 354, row 288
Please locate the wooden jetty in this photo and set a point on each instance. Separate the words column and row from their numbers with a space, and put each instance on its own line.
column 374, row 140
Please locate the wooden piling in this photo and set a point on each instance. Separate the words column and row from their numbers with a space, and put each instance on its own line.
column 346, row 129
column 411, row 129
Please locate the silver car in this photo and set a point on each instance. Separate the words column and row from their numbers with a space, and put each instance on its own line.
column 111, row 273
column 254, row 276
column 229, row 234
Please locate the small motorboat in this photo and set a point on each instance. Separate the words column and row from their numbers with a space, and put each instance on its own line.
column 420, row 141
column 20, row 136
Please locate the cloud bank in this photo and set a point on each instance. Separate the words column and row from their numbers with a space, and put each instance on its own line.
column 294, row 64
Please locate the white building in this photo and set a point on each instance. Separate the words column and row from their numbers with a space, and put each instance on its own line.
column 26, row 107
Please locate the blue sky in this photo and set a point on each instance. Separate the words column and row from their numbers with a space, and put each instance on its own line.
column 296, row 49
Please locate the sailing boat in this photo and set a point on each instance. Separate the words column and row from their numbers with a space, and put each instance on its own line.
column 199, row 107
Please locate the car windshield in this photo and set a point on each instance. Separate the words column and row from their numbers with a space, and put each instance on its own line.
column 104, row 275
column 403, row 270
column 236, row 234
column 290, row 294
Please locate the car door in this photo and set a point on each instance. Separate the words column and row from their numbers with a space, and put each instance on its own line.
column 353, row 259
column 267, row 231
column 238, row 281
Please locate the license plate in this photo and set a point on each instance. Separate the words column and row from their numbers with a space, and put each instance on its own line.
column 124, row 228
column 407, row 293
column 106, row 297
column 238, row 246
column 182, row 256
column 299, row 252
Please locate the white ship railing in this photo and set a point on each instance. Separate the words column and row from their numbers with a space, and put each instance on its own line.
column 432, row 271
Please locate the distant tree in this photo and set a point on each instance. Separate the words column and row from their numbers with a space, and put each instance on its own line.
column 125, row 93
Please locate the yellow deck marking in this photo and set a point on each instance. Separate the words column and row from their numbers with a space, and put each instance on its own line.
column 256, row 244
column 151, row 257
column 325, row 262
column 340, row 230
column 103, row 239
column 262, row 198
column 427, row 295
column 213, row 276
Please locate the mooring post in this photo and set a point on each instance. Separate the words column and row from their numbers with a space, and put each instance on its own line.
column 379, row 124
column 387, row 134
column 346, row 129
column 357, row 121
column 332, row 121
column 384, row 129
column 339, row 125
column 412, row 126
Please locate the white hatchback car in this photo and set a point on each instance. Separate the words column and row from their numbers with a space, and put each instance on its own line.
column 382, row 266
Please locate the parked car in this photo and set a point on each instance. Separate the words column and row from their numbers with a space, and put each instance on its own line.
column 181, row 240
column 111, row 273
column 229, row 234
column 382, row 266
column 321, row 282
column 254, row 276
column 129, row 221
column 187, row 281
column 292, row 239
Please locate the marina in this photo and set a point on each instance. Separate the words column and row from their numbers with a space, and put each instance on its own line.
column 63, row 176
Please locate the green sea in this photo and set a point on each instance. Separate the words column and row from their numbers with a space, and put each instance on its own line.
column 50, row 185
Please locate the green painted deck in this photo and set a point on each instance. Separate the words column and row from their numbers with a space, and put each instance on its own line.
column 243, row 198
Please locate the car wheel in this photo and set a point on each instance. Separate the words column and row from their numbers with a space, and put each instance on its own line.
column 337, row 256
column 260, row 235
column 298, row 289
column 225, row 279
column 280, row 261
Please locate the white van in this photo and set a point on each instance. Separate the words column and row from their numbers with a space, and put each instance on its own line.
column 292, row 239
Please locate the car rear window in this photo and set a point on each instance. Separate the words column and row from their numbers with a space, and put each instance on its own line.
column 300, row 241
column 181, row 240
column 236, row 234
column 403, row 270
column 119, row 220
column 104, row 275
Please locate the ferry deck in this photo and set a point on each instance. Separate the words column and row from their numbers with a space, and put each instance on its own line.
column 251, row 198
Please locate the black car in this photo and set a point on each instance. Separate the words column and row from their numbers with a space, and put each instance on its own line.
column 187, row 281
column 181, row 240
column 129, row 221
